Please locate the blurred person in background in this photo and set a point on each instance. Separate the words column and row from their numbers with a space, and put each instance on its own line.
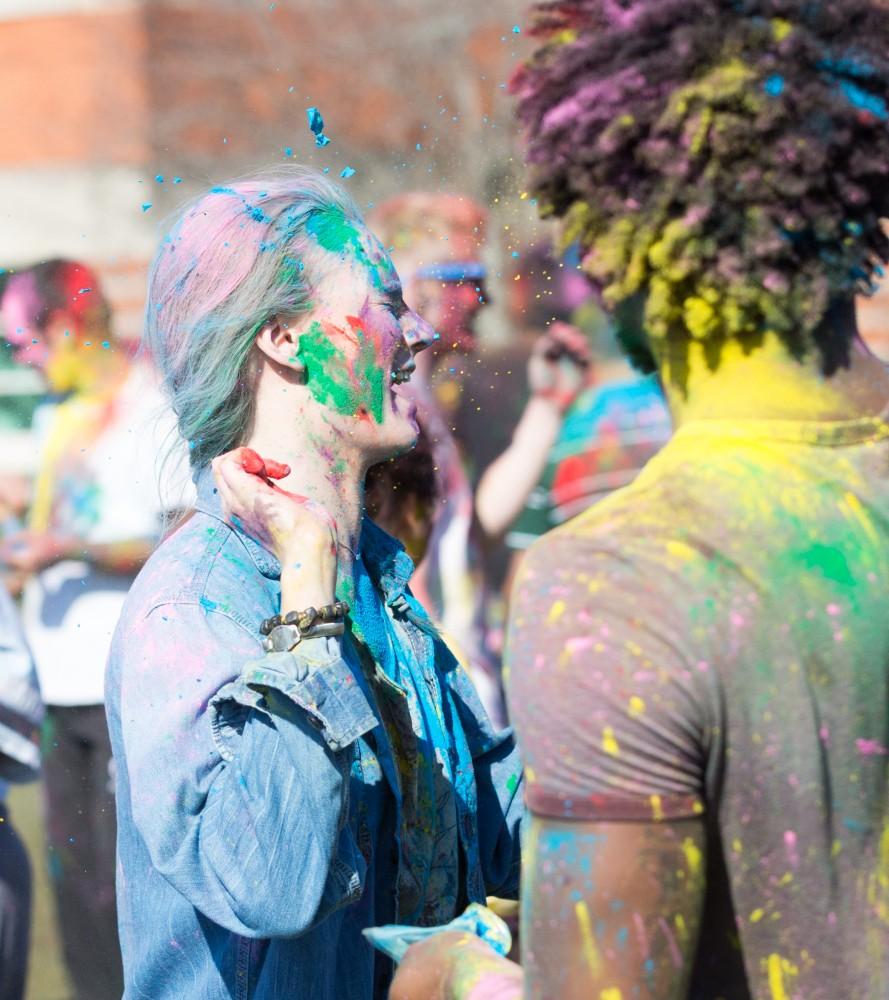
column 401, row 496
column 542, row 290
column 287, row 779
column 93, row 516
column 436, row 242
column 570, row 451
column 21, row 713
column 700, row 663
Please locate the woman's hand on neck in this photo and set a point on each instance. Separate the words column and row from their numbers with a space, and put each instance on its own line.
column 290, row 427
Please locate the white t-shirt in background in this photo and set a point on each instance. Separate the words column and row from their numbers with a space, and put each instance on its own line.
column 131, row 470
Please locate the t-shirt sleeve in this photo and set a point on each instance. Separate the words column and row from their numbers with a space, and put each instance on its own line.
column 611, row 718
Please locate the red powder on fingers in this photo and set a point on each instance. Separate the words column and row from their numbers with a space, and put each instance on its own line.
column 252, row 463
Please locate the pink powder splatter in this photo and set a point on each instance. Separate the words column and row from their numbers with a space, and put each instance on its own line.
column 833, row 609
column 639, row 927
column 871, row 748
column 578, row 644
column 675, row 953
column 790, row 846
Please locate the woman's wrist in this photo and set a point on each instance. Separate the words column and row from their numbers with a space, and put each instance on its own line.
column 301, row 589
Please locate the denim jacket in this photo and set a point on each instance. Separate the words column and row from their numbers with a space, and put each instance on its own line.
column 264, row 815
column 21, row 710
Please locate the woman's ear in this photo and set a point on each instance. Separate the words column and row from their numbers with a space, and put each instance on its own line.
column 278, row 339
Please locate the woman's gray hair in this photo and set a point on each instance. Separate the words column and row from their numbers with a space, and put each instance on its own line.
column 234, row 258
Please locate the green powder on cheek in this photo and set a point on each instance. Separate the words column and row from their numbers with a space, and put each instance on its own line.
column 369, row 374
column 330, row 380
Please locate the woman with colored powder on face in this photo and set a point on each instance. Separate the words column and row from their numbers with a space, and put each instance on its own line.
column 299, row 756
column 699, row 665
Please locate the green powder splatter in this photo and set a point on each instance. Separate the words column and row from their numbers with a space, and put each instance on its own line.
column 830, row 563
column 338, row 234
column 334, row 383
column 345, row 590
column 334, row 232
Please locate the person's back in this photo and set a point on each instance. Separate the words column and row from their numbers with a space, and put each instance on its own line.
column 741, row 608
column 699, row 664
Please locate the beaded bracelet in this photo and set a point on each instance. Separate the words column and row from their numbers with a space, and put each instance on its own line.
column 304, row 620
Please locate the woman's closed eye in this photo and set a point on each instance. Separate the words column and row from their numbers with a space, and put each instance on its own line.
column 398, row 307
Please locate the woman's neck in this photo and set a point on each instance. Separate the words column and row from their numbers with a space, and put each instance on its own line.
column 335, row 483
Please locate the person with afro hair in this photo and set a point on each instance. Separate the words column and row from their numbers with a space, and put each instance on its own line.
column 699, row 665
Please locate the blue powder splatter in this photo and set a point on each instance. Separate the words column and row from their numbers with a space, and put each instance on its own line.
column 177, row 180
column 516, row 30
column 159, row 178
column 774, row 86
column 146, row 205
column 348, row 172
column 847, row 66
column 288, row 151
column 316, row 124
column 865, row 101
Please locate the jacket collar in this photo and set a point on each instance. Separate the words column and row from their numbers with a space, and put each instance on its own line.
column 387, row 564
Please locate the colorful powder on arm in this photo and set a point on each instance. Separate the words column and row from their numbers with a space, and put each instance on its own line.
column 587, row 940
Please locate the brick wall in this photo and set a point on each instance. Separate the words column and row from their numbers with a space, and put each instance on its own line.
column 110, row 94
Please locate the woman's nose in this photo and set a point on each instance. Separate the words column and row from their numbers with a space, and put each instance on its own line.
column 418, row 334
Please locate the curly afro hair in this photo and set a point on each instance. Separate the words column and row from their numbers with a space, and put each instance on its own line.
column 727, row 158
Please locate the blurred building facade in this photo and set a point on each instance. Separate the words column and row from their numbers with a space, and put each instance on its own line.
column 106, row 97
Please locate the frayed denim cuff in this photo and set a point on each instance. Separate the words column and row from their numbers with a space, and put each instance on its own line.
column 314, row 677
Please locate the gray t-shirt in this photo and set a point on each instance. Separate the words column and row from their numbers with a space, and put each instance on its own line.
column 713, row 641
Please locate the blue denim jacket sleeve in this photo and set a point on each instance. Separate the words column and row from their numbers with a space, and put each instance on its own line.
column 21, row 709
column 238, row 768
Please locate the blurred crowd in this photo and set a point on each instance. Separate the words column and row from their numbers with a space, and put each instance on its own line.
column 516, row 437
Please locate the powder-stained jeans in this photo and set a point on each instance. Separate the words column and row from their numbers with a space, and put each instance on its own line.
column 81, row 832
column 15, row 910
